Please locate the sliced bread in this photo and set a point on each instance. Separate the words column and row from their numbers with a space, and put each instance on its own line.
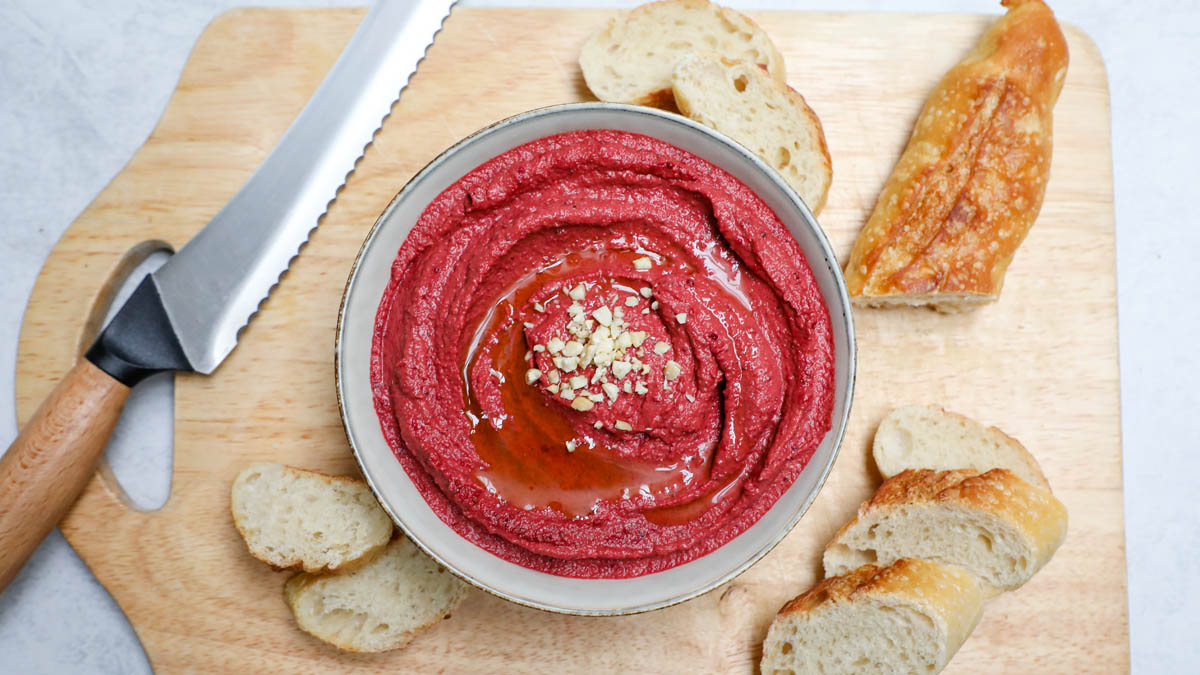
column 379, row 606
column 630, row 59
column 295, row 518
column 993, row 524
column 762, row 113
column 908, row 617
column 929, row 437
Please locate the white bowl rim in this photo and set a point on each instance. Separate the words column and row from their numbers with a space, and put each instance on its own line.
column 837, row 429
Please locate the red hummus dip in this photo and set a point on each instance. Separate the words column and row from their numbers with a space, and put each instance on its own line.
column 601, row 356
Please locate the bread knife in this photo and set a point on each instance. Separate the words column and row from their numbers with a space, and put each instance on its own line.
column 188, row 314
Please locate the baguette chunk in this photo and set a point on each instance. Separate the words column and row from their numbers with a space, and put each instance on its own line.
column 767, row 116
column 295, row 518
column 993, row 524
column 631, row 58
column 970, row 183
column 379, row 606
column 929, row 437
column 907, row 617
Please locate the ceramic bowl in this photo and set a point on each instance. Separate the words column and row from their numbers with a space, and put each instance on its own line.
column 392, row 485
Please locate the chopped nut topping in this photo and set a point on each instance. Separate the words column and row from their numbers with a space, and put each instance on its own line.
column 579, row 382
column 654, row 305
column 690, row 397
column 643, row 264
column 671, row 370
column 572, row 348
column 532, row 375
column 631, row 301
column 578, row 293
column 640, row 388
column 681, row 317
column 627, row 387
column 603, row 315
column 539, row 348
column 552, row 376
column 661, row 348
column 595, row 398
column 598, row 425
column 555, row 345
column 646, row 292
column 620, row 369
column 638, row 337
column 571, row 445
column 582, row 404
column 539, row 307
column 610, row 389
column 623, row 425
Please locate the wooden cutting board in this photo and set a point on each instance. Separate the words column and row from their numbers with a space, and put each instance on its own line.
column 1041, row 364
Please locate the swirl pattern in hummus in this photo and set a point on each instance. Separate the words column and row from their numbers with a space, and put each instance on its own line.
column 711, row 388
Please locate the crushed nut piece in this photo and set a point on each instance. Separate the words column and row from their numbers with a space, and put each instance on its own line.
column 671, row 370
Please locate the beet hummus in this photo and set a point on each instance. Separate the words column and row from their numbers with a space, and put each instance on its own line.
column 601, row 356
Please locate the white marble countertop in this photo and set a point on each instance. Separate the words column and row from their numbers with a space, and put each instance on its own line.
column 84, row 84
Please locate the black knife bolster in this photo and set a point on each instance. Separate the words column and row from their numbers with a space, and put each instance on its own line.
column 139, row 341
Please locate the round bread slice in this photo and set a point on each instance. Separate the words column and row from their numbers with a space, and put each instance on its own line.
column 379, row 606
column 767, row 116
column 295, row 518
column 929, row 437
column 908, row 617
column 993, row 524
column 630, row 60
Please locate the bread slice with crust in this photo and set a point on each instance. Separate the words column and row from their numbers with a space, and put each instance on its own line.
column 379, row 606
column 767, row 116
column 631, row 58
column 295, row 518
column 995, row 525
column 929, row 437
column 908, row 617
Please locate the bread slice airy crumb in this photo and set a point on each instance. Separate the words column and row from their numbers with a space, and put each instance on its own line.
column 295, row 518
column 767, row 116
column 379, row 606
column 631, row 58
column 909, row 617
column 993, row 524
column 929, row 437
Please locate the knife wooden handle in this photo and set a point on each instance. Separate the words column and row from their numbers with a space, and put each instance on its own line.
column 50, row 462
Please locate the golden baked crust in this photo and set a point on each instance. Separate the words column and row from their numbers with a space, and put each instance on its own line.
column 970, row 183
column 907, row 577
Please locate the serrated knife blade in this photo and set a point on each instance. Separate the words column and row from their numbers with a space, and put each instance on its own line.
column 188, row 314
column 215, row 283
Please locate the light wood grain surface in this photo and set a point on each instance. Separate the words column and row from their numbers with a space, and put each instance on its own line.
column 1041, row 364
